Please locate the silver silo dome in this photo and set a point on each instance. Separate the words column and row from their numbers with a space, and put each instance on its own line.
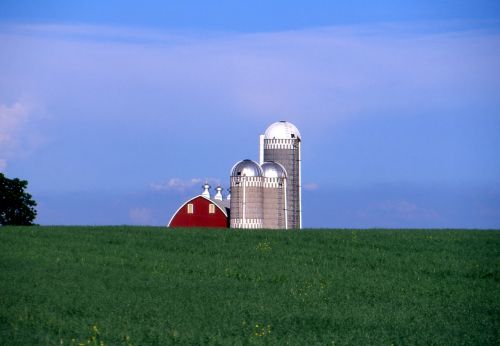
column 273, row 170
column 246, row 168
column 282, row 130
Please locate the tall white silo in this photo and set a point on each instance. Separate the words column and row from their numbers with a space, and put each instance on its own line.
column 281, row 143
column 246, row 195
column 274, row 192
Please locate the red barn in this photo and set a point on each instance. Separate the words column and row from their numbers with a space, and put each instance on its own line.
column 201, row 211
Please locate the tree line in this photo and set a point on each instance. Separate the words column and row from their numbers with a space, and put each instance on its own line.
column 17, row 207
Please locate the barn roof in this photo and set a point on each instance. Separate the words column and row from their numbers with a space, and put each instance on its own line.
column 222, row 205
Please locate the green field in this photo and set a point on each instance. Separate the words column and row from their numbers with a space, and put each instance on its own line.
column 155, row 286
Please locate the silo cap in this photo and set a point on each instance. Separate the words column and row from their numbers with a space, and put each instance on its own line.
column 273, row 170
column 246, row 168
column 282, row 130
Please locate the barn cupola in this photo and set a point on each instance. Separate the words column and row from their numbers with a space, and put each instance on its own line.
column 206, row 192
column 218, row 195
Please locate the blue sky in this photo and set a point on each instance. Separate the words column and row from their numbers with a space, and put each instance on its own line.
column 116, row 112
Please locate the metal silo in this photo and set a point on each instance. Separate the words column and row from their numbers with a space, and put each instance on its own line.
column 281, row 143
column 274, row 192
column 246, row 195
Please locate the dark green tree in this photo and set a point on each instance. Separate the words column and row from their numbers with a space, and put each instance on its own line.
column 16, row 205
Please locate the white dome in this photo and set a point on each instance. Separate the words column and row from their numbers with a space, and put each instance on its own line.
column 273, row 170
column 246, row 168
column 282, row 130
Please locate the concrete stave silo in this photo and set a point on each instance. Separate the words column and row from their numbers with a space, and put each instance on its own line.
column 274, row 193
column 246, row 195
column 281, row 143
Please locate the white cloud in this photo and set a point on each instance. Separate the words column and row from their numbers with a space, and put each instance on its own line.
column 19, row 135
column 176, row 184
column 13, row 120
column 182, row 185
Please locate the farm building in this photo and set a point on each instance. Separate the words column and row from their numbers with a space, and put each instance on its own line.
column 203, row 211
column 264, row 195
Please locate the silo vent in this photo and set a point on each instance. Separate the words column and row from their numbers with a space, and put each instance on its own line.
column 206, row 192
column 218, row 195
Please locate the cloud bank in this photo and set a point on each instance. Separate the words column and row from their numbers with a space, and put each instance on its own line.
column 183, row 185
column 326, row 74
column 13, row 120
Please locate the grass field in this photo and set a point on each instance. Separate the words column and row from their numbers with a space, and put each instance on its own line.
column 149, row 285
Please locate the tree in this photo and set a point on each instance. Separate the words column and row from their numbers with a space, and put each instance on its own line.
column 16, row 206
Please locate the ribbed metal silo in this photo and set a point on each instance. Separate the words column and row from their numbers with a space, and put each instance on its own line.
column 274, row 192
column 246, row 195
column 281, row 144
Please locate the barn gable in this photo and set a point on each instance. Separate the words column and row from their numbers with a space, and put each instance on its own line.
column 200, row 211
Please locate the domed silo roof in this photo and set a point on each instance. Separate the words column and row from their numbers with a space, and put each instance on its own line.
column 282, row 130
column 273, row 170
column 246, row 168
